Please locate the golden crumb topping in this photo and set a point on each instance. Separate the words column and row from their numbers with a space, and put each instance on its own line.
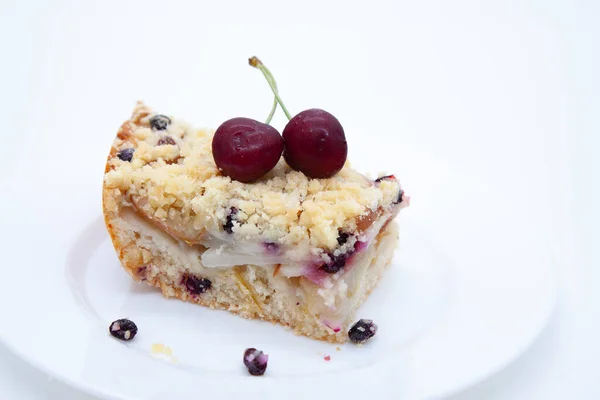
column 176, row 181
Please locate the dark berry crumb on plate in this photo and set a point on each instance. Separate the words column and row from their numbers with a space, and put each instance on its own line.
column 160, row 122
column 123, row 329
column 255, row 361
column 362, row 331
column 126, row 154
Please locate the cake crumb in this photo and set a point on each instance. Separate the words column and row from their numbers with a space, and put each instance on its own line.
column 338, row 348
column 160, row 349
column 327, row 358
column 157, row 348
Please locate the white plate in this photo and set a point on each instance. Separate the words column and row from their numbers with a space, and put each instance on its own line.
column 470, row 289
column 460, row 301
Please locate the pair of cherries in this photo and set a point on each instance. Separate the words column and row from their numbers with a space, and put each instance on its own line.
column 313, row 142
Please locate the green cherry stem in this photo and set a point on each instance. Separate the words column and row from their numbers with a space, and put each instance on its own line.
column 273, row 109
column 256, row 63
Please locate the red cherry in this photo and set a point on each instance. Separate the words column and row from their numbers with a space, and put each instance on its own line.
column 315, row 144
column 245, row 149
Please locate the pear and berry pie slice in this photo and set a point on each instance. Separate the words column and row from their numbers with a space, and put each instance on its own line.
column 301, row 252
column 255, row 237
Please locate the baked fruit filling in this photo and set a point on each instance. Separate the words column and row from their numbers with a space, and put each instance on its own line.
column 285, row 248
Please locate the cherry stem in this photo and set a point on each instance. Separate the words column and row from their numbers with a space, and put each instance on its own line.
column 256, row 63
column 273, row 109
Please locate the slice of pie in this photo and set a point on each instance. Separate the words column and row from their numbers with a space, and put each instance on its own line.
column 300, row 252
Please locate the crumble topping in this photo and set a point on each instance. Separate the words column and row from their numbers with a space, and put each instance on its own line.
column 180, row 183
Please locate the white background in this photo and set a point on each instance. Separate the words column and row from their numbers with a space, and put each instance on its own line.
column 507, row 89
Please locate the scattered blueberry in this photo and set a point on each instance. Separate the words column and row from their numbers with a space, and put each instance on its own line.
column 255, row 361
column 336, row 263
column 165, row 140
column 362, row 331
column 123, row 329
column 160, row 122
column 195, row 284
column 228, row 226
column 126, row 154
column 383, row 178
column 342, row 238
